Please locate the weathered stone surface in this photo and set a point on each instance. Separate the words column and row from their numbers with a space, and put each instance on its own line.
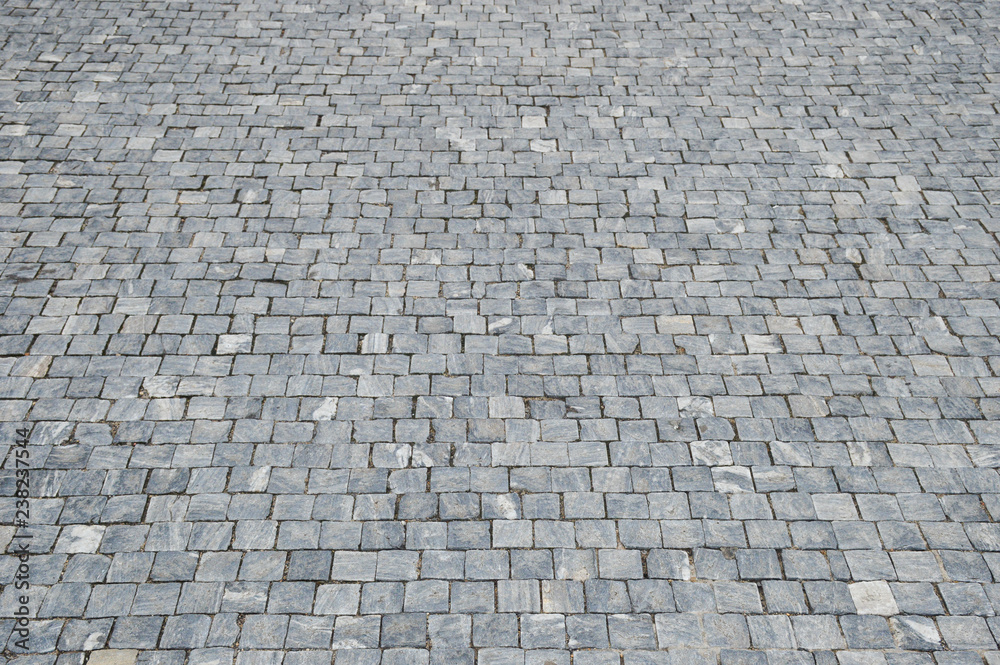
column 502, row 333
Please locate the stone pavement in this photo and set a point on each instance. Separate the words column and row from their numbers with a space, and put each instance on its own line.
column 531, row 332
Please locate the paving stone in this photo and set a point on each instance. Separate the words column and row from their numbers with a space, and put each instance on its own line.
column 917, row 633
column 113, row 657
column 490, row 334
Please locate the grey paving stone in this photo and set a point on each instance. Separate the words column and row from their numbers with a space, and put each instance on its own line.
column 489, row 334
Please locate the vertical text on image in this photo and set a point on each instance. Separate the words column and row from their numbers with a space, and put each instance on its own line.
column 22, row 538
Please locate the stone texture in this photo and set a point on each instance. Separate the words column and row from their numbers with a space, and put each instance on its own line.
column 518, row 333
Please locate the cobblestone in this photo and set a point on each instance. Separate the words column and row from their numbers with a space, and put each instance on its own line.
column 517, row 333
